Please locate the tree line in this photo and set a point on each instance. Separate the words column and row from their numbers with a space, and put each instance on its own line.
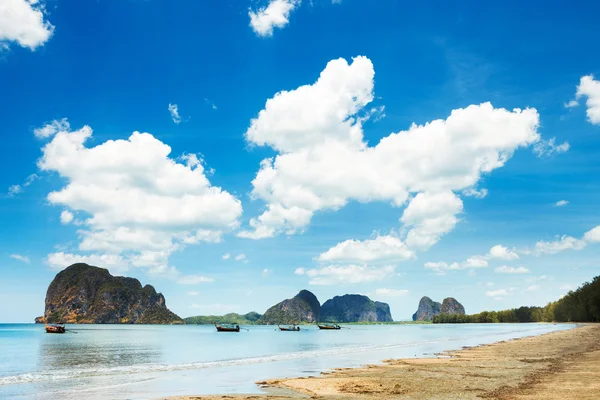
column 581, row 305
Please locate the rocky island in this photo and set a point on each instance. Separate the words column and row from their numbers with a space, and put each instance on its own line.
column 355, row 308
column 428, row 308
column 304, row 307
column 84, row 294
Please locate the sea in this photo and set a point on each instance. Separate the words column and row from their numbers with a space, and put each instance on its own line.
column 156, row 361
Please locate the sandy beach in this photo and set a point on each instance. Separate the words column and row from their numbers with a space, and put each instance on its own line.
column 560, row 365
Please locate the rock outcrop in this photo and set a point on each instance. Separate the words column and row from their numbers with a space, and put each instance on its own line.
column 304, row 307
column 355, row 308
column 85, row 294
column 451, row 306
column 428, row 308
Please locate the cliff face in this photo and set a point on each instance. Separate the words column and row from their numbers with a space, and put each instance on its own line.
column 85, row 294
column 304, row 307
column 428, row 308
column 451, row 306
column 355, row 308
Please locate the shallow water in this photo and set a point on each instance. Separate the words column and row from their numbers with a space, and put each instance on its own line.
column 131, row 362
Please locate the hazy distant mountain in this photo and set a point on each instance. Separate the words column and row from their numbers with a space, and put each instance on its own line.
column 85, row 294
column 355, row 308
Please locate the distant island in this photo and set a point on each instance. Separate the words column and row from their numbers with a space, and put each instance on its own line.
column 428, row 309
column 84, row 294
column 304, row 308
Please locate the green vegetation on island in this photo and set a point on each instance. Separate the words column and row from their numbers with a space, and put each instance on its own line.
column 231, row 318
column 355, row 308
column 581, row 305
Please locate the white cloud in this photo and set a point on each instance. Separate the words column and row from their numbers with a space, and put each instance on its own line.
column 561, row 203
column 275, row 15
column 174, row 111
column 300, row 271
column 572, row 104
column 590, row 88
column 567, row 287
column 533, row 288
column 546, row 148
column 226, row 256
column 22, row 21
column 240, row 257
column 380, row 249
column 318, row 127
column 384, row 292
column 593, row 235
column 266, row 272
column 475, row 262
column 563, row 243
column 502, row 253
column 114, row 263
column 66, row 217
column 194, row 279
column 511, row 270
column 497, row 293
column 472, row 192
column 52, row 128
column 348, row 274
column 142, row 204
column 17, row 189
column 21, row 258
column 193, row 293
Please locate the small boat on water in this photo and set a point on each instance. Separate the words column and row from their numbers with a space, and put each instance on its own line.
column 290, row 328
column 55, row 329
column 329, row 326
column 227, row 328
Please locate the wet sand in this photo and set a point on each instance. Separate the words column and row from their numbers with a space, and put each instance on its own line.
column 560, row 365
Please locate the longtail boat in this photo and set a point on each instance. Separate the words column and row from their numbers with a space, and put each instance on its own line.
column 227, row 328
column 293, row 328
column 55, row 329
column 329, row 326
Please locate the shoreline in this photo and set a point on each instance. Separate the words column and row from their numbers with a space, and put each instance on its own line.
column 557, row 365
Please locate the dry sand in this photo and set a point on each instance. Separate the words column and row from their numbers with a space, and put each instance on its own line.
column 561, row 365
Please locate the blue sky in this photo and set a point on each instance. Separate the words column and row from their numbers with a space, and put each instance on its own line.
column 463, row 204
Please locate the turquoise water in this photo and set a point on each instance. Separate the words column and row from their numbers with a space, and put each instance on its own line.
column 131, row 362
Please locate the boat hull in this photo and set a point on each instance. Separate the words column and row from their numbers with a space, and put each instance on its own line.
column 55, row 329
column 329, row 328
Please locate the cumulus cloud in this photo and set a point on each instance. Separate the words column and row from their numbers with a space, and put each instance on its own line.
column 141, row 205
column 571, row 104
column 593, row 235
column 52, row 128
column 323, row 160
column 511, row 270
column 174, row 111
column 240, row 257
column 23, row 22
column 380, row 249
column 561, row 203
column 226, row 256
column 385, row 292
column 66, row 217
column 21, row 258
column 590, row 88
column 502, row 253
column 346, row 274
column 300, row 271
column 472, row 192
column 275, row 15
column 546, row 148
column 563, row 243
